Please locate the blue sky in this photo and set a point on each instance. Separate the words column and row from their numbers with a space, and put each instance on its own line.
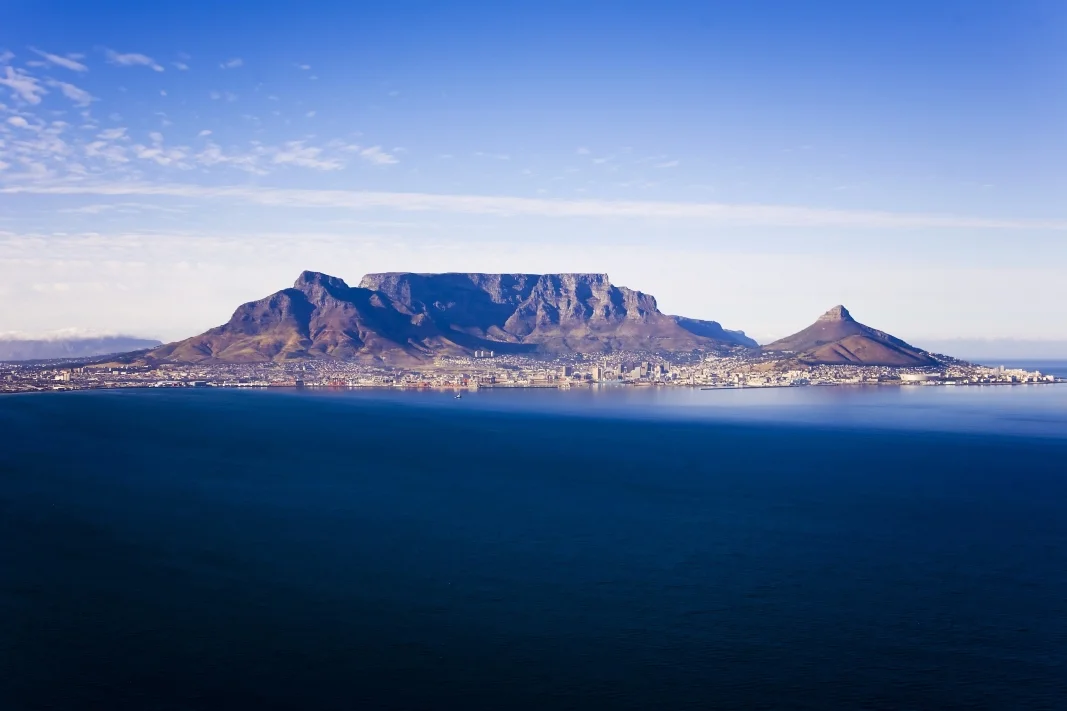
column 755, row 163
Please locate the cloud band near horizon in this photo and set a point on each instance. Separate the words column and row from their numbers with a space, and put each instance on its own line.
column 719, row 213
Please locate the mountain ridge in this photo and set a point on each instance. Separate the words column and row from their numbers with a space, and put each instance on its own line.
column 406, row 317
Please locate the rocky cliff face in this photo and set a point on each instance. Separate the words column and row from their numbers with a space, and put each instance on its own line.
column 837, row 338
column 554, row 312
column 404, row 317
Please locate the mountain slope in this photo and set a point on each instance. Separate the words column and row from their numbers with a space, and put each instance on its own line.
column 320, row 316
column 401, row 318
column 837, row 338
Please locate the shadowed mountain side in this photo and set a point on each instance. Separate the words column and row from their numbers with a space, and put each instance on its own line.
column 836, row 338
column 557, row 313
column 402, row 318
column 712, row 329
column 320, row 316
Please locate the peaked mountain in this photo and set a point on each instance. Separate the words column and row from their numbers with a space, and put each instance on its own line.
column 836, row 338
column 402, row 318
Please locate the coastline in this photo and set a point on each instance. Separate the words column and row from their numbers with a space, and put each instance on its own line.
column 538, row 386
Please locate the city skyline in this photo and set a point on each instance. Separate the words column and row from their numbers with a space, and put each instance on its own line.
column 156, row 169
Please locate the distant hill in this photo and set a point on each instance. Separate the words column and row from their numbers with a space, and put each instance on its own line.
column 403, row 318
column 16, row 349
column 836, row 338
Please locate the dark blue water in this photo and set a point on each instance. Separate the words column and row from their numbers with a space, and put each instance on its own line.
column 520, row 550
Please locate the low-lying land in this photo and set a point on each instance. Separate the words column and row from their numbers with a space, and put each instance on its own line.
column 742, row 369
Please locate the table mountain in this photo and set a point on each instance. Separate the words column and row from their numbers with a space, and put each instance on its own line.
column 404, row 318
column 836, row 338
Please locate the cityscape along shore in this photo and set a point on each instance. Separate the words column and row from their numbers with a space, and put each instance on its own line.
column 490, row 370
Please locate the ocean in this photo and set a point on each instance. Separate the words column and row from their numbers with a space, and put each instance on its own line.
column 617, row 548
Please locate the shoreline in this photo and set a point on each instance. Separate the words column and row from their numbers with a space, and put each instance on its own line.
column 468, row 389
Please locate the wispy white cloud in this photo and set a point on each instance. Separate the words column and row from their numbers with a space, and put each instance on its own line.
column 122, row 207
column 160, row 155
column 23, row 85
column 94, row 209
column 233, row 63
column 304, row 67
column 310, row 114
column 37, row 151
column 668, row 164
column 79, row 96
column 219, row 95
column 59, row 61
column 131, row 59
column 109, row 152
column 34, row 169
column 180, row 66
column 213, row 154
column 113, row 155
column 583, row 151
column 709, row 213
column 496, row 156
column 377, row 156
column 296, row 153
column 112, row 134
column 6, row 56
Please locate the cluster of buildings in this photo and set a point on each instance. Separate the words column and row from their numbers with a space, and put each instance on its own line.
column 485, row 369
